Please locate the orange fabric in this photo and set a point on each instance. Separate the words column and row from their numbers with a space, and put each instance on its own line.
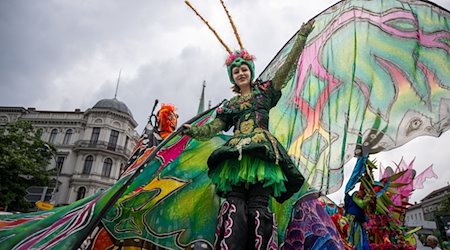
column 167, row 120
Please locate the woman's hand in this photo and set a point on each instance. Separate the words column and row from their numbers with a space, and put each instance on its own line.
column 186, row 128
column 307, row 27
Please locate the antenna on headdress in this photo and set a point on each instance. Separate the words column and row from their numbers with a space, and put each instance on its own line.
column 209, row 26
column 232, row 25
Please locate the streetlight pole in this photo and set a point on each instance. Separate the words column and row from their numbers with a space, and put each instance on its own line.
column 52, row 198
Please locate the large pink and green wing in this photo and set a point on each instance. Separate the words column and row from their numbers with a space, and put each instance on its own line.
column 172, row 203
column 372, row 76
column 166, row 200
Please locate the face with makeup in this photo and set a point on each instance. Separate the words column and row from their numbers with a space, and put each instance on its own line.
column 242, row 77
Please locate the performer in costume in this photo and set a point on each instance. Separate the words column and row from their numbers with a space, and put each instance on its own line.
column 158, row 128
column 355, row 206
column 167, row 120
column 360, row 203
column 252, row 165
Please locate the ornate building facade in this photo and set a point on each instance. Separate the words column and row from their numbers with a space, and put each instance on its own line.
column 423, row 214
column 92, row 146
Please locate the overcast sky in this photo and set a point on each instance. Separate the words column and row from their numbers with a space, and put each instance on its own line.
column 63, row 55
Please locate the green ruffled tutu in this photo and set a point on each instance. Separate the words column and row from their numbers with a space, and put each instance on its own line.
column 249, row 170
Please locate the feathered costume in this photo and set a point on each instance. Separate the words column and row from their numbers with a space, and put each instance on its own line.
column 374, row 214
column 167, row 120
column 372, row 73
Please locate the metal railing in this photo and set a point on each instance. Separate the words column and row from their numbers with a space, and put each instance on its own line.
column 87, row 144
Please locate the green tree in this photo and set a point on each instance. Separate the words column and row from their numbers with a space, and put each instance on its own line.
column 23, row 161
column 444, row 208
column 442, row 218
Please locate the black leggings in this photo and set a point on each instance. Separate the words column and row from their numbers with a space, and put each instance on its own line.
column 244, row 220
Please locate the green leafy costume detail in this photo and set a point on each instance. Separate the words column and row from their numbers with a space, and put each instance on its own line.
column 253, row 155
column 207, row 131
column 362, row 203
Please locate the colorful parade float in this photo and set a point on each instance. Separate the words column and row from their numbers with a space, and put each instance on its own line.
column 373, row 75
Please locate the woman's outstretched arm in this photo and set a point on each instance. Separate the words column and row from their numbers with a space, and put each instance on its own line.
column 283, row 74
column 206, row 131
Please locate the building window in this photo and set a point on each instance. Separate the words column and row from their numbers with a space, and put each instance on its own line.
column 122, row 168
column 59, row 164
column 127, row 140
column 88, row 164
column 4, row 119
column 116, row 124
column 81, row 193
column 67, row 136
column 95, row 135
column 113, row 139
column 107, row 165
column 53, row 136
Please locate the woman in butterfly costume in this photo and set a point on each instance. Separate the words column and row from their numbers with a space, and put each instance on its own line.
column 252, row 165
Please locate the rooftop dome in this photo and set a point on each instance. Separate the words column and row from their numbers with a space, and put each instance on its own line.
column 113, row 104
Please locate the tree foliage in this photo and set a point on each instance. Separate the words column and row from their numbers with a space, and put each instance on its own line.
column 24, row 157
column 444, row 208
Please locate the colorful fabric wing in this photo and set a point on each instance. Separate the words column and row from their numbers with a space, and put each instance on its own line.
column 172, row 202
column 166, row 198
column 373, row 75
column 60, row 229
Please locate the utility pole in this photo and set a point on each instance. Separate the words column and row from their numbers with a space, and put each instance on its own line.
column 52, row 199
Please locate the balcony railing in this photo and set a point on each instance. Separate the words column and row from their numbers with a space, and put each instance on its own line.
column 85, row 144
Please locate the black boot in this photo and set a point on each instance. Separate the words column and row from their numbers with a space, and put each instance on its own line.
column 262, row 227
column 231, row 231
